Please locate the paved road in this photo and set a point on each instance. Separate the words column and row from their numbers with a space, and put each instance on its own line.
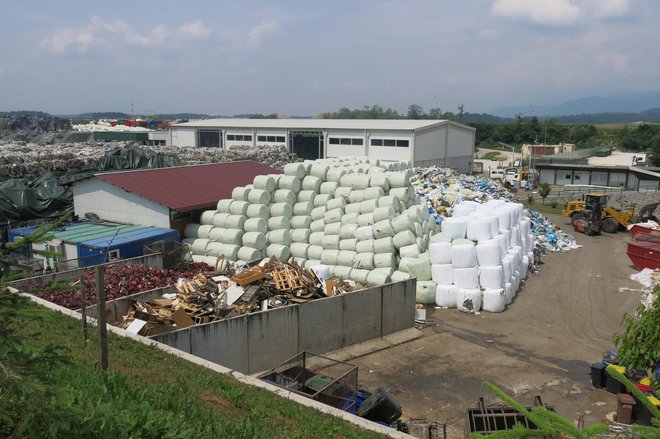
column 561, row 321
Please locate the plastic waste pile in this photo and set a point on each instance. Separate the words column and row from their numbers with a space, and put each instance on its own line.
column 359, row 219
column 442, row 189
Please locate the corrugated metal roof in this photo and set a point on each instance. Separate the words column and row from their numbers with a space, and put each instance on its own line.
column 189, row 187
column 349, row 124
column 127, row 236
column 80, row 232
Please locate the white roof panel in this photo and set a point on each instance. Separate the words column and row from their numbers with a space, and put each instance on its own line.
column 348, row 124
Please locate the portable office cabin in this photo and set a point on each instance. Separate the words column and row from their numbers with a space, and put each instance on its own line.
column 127, row 244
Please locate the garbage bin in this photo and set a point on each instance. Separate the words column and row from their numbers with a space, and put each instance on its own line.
column 598, row 375
column 624, row 408
column 643, row 414
column 612, row 385
column 380, row 407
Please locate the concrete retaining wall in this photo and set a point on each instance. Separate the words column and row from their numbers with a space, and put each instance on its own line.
column 256, row 342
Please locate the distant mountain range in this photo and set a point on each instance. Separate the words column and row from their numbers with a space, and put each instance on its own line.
column 619, row 102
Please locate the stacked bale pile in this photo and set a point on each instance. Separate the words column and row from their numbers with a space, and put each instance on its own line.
column 360, row 219
column 481, row 256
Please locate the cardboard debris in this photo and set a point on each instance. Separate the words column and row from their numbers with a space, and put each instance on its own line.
column 205, row 299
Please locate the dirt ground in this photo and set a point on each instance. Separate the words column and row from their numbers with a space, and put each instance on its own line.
column 561, row 321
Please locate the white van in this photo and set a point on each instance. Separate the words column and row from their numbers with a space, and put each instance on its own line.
column 497, row 174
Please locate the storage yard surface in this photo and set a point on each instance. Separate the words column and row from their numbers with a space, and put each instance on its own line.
column 560, row 322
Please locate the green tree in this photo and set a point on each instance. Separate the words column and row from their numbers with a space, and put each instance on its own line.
column 544, row 191
column 416, row 112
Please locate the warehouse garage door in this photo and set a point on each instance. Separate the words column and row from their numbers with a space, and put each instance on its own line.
column 307, row 145
column 547, row 176
column 209, row 138
column 564, row 177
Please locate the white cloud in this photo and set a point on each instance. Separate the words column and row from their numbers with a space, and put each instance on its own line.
column 554, row 12
column 80, row 39
column 260, row 31
column 195, row 30
column 609, row 8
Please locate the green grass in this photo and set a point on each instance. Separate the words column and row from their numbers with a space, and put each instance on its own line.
column 491, row 155
column 537, row 204
column 145, row 393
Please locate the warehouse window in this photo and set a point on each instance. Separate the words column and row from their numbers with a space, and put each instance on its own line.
column 389, row 142
column 239, row 137
column 402, row 143
column 209, row 138
column 345, row 141
column 271, row 139
column 376, row 142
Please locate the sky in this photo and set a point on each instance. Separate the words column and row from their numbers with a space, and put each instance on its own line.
column 306, row 57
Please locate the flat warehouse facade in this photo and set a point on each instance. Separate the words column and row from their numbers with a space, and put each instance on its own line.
column 422, row 142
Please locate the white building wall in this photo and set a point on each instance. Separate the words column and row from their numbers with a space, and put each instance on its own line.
column 345, row 150
column 390, row 153
column 271, row 132
column 430, row 146
column 183, row 136
column 460, row 141
column 547, row 176
column 240, row 132
column 112, row 203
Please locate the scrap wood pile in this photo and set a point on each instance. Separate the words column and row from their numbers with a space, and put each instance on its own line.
column 238, row 291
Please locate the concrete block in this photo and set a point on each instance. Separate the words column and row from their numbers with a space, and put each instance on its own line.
column 272, row 337
column 320, row 325
column 224, row 342
column 398, row 306
column 362, row 316
column 178, row 339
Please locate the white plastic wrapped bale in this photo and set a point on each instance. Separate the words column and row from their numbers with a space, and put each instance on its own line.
column 466, row 277
column 378, row 277
column 335, row 174
column 503, row 218
column 383, row 213
column 316, row 238
column 425, row 292
column 463, row 256
column 299, row 250
column 236, row 221
column 215, row 249
column 478, row 229
column 440, row 252
column 419, row 268
column 312, row 183
column 389, row 201
column 409, row 251
column 258, row 196
column 319, row 170
column 360, row 275
column 417, row 230
column 336, row 203
column 307, row 196
column 314, row 252
column 383, row 229
column 329, row 256
column 364, row 246
column 364, row 219
column 248, row 254
column 364, row 261
column 403, row 194
column 347, row 244
column 230, row 252
column 501, row 242
column 330, row 242
column 399, row 276
column 208, row 260
column 197, row 230
column 301, row 222
column 360, row 181
column 318, row 225
column 265, row 182
column 348, row 231
column 223, row 205
column 238, row 207
column 422, row 244
column 333, row 216
column 255, row 225
column 322, row 199
column 256, row 211
column 220, row 219
column 508, row 266
column 303, row 208
column 278, row 222
column 508, row 292
column 494, row 300
column 342, row 272
column 332, row 229
column 489, row 252
column 344, row 192
column 399, row 179
column 468, row 300
column 352, row 208
column 384, row 245
column 312, row 262
column 491, row 276
column 206, row 218
column 404, row 238
column 373, row 193
column 254, row 240
column 442, row 274
column 368, row 206
column 240, row 193
column 281, row 252
column 355, row 196
column 215, row 234
column 380, row 181
column 290, row 182
column 281, row 209
column 364, row 233
column 284, row 196
column 349, row 218
column 455, row 228
column 300, row 235
column 524, row 267
column 445, row 296
column 440, row 237
column 295, row 169
column 384, row 260
column 515, row 236
column 232, row 236
column 401, row 223
column 329, row 188
column 280, row 236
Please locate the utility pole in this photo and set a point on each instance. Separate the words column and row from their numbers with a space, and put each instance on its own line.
column 101, row 317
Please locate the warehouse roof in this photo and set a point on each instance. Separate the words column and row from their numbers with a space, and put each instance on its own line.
column 356, row 124
column 188, row 187
column 97, row 234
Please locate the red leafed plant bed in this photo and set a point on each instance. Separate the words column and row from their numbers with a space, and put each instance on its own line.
column 120, row 280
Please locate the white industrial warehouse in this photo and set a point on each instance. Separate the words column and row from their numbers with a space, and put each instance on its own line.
column 422, row 142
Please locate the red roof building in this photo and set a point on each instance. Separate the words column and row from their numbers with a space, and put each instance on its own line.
column 166, row 197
